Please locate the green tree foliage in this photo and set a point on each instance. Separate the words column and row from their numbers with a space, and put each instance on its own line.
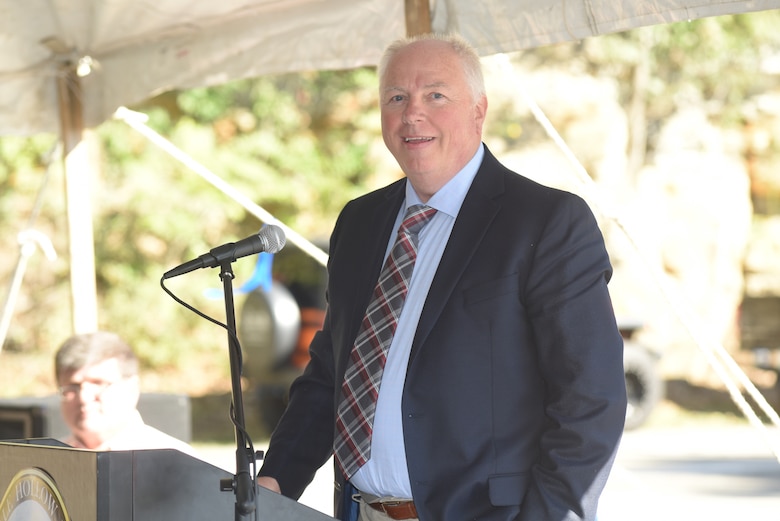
column 298, row 145
column 717, row 61
column 300, row 142
column 27, row 181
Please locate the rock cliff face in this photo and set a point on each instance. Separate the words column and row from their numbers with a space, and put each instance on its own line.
column 685, row 242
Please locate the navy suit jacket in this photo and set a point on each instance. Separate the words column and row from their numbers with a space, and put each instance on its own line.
column 514, row 399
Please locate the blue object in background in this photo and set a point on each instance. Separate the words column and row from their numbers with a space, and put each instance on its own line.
column 261, row 278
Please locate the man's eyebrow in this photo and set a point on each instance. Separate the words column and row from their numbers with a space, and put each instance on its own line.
column 435, row 85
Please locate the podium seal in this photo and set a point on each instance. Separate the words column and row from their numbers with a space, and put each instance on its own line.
column 32, row 495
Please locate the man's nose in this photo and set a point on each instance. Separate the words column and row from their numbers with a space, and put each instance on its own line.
column 413, row 112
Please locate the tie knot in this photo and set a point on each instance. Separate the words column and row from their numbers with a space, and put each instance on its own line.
column 416, row 217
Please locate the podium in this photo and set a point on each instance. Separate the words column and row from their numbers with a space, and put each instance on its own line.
column 137, row 485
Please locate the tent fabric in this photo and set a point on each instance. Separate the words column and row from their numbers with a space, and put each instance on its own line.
column 140, row 48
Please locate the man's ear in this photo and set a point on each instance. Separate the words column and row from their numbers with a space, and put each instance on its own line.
column 480, row 112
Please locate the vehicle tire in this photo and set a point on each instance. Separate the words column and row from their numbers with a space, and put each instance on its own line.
column 644, row 385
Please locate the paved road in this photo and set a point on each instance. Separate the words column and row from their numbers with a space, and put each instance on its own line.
column 707, row 473
column 694, row 473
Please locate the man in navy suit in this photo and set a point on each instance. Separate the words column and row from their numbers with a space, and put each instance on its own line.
column 503, row 395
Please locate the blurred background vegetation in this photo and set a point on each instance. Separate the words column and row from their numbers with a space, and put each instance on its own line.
column 301, row 146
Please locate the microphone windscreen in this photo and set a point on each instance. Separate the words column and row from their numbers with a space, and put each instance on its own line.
column 273, row 237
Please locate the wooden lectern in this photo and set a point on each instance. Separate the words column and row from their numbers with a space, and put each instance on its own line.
column 137, row 485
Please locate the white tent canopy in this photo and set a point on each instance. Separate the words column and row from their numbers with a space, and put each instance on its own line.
column 139, row 48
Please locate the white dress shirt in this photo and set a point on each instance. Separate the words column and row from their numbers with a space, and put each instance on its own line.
column 386, row 473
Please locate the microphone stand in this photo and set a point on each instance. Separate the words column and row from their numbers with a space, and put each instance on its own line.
column 243, row 483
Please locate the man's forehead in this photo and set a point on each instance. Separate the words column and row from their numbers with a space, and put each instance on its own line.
column 429, row 71
column 428, row 86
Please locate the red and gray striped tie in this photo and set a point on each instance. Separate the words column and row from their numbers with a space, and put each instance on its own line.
column 355, row 415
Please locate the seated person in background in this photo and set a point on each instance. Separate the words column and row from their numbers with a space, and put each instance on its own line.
column 97, row 375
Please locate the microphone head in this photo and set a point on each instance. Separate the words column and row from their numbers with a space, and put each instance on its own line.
column 273, row 238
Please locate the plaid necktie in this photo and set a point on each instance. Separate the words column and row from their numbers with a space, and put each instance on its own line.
column 355, row 415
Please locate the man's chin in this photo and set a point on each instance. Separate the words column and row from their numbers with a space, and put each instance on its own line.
column 88, row 425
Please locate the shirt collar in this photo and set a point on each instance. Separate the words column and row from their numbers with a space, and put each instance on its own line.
column 450, row 197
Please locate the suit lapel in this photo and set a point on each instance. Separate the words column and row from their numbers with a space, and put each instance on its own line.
column 370, row 250
column 477, row 212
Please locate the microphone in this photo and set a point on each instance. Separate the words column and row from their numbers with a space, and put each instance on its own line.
column 269, row 239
